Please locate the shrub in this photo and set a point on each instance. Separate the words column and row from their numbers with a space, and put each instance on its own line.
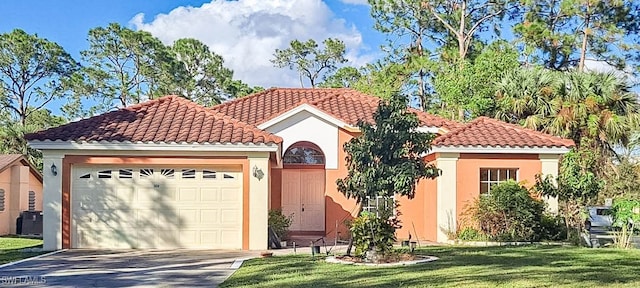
column 508, row 213
column 552, row 227
column 371, row 232
column 626, row 219
column 279, row 223
column 471, row 234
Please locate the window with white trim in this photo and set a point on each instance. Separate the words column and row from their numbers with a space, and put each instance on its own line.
column 303, row 153
column 373, row 205
column 490, row 177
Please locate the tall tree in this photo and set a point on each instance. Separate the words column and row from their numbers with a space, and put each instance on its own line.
column 469, row 91
column 124, row 67
column 564, row 33
column 309, row 60
column 31, row 72
column 386, row 159
column 12, row 133
column 238, row 89
column 400, row 19
column 599, row 107
column 383, row 79
column 207, row 81
column 344, row 77
column 464, row 20
column 441, row 25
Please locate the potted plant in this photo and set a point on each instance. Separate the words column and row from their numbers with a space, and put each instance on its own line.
column 279, row 224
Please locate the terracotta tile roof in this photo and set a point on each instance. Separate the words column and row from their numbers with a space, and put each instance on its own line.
column 8, row 159
column 345, row 104
column 489, row 132
column 168, row 119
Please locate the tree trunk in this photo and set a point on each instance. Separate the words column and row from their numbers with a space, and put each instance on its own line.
column 462, row 38
column 461, row 51
column 585, row 37
column 421, row 92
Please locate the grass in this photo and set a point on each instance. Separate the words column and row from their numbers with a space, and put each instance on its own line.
column 524, row 266
column 10, row 248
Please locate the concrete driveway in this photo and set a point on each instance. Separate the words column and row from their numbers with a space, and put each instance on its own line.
column 126, row 268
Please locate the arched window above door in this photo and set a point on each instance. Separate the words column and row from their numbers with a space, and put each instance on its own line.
column 304, row 153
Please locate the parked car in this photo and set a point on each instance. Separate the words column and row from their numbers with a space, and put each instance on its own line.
column 598, row 216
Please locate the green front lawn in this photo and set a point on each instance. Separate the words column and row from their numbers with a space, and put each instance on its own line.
column 10, row 248
column 530, row 266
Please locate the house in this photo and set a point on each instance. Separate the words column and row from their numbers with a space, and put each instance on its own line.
column 20, row 190
column 170, row 173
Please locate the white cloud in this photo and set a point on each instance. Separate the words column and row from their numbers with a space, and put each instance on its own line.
column 604, row 67
column 246, row 33
column 355, row 2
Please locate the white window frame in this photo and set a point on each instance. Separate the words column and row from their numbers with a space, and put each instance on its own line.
column 490, row 182
column 367, row 206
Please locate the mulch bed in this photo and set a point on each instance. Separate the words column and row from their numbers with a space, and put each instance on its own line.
column 391, row 258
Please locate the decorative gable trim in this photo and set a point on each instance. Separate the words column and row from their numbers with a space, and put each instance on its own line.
column 314, row 111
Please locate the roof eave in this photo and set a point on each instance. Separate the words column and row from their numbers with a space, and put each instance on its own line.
column 500, row 149
column 154, row 146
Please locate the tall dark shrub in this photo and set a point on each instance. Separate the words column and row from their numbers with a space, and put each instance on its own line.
column 509, row 213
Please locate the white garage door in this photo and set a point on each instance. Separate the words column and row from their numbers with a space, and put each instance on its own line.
column 156, row 207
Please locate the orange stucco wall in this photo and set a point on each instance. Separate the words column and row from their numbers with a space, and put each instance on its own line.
column 468, row 173
column 35, row 185
column 17, row 181
column 275, row 195
column 338, row 207
column 418, row 215
column 5, row 218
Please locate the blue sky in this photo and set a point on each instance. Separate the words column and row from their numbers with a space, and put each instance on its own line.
column 67, row 22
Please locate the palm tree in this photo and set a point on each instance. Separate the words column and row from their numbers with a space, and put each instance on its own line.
column 594, row 109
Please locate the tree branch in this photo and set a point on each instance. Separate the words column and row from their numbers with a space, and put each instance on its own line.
column 445, row 23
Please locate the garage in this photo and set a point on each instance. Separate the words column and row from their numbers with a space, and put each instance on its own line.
column 197, row 207
column 166, row 173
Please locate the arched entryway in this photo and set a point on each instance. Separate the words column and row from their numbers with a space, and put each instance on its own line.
column 303, row 187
